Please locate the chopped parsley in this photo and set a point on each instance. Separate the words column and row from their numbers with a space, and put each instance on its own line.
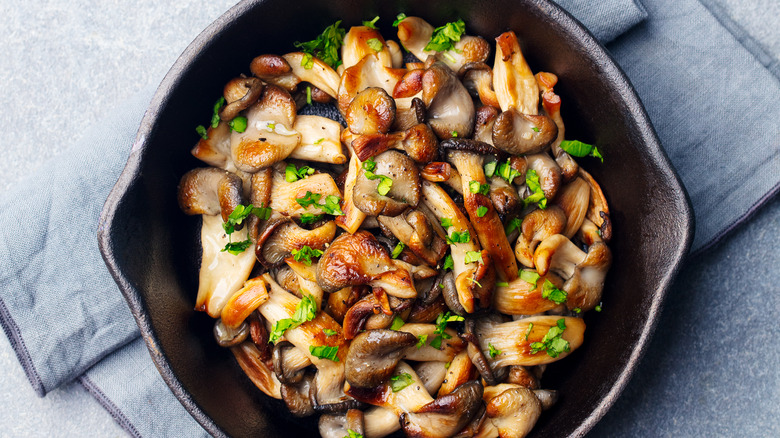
column 514, row 224
column 446, row 222
column 325, row 352
column 352, row 434
column 201, row 130
column 308, row 199
column 473, row 256
column 536, row 129
column 577, row 148
column 552, row 293
column 292, row 173
column 237, row 217
column 481, row 211
column 308, row 94
column 375, row 44
column 238, row 124
column 532, row 180
column 477, row 187
column 441, row 326
column 421, row 341
column 398, row 19
column 331, row 205
column 509, row 173
column 474, row 280
column 319, row 141
column 493, row 351
column 528, row 332
column 490, row 168
column 306, row 310
column 399, row 248
column 307, row 218
column 553, row 343
column 576, row 310
column 444, row 37
column 597, row 308
column 325, row 46
column 502, row 284
column 237, row 248
column 397, row 323
column 400, row 381
column 458, row 237
column 454, row 134
column 215, row 115
column 448, row 262
column 529, row 276
column 371, row 24
column 305, row 254
column 385, row 183
column 329, row 332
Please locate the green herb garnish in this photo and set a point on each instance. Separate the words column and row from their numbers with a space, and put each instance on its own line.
column 552, row 293
column 502, row 284
column 490, row 168
column 371, row 24
column 237, row 248
column 306, row 310
column 331, row 205
column 325, row 46
column 308, row 199
column 385, row 183
column 514, row 224
column 509, row 173
column 238, row 124
column 398, row 19
column 201, row 130
column 400, row 381
column 441, row 326
column 215, row 115
column 477, row 187
column 325, row 352
column 481, row 211
column 473, row 256
column 305, row 254
column 529, row 276
column 308, row 94
column 446, row 222
column 444, row 37
column 532, row 180
column 375, row 44
column 352, row 434
column 577, row 148
column 458, row 237
column 292, row 173
column 307, row 218
column 493, row 351
column 421, row 341
column 398, row 250
column 329, row 332
column 528, row 332
column 448, row 262
column 397, row 323
column 236, row 218
column 552, row 342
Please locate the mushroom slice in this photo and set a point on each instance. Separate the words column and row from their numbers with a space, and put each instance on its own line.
column 478, row 78
column 460, row 371
column 551, row 103
column 584, row 273
column 374, row 354
column 414, row 231
column 221, row 273
column 248, row 358
column 520, row 297
column 432, row 374
column 209, row 191
column 215, row 148
column 368, row 72
column 485, row 119
column 548, row 171
column 284, row 195
column 239, row 94
column 244, row 302
column 450, row 346
column 521, row 134
column 414, row 33
column 307, row 278
column 296, row 396
column 356, row 46
column 289, row 236
column 410, row 85
column 537, row 226
column 488, row 225
column 353, row 217
column 289, row 363
column 446, row 415
column 371, row 111
column 419, row 142
column 598, row 209
column 574, row 199
column 320, row 140
column 450, row 110
column 338, row 426
column 513, row 80
column 514, row 411
column 404, row 192
column 275, row 70
column 515, row 348
column 356, row 259
column 268, row 137
column 319, row 74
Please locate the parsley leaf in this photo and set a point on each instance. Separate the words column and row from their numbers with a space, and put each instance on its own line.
column 398, row 19
column 307, row 218
column 237, row 248
column 308, row 199
column 443, row 37
column 553, row 343
column 577, row 148
column 306, row 310
column 552, row 293
column 441, row 326
column 305, row 254
column 529, row 276
column 473, row 256
column 308, row 95
column 371, row 24
column 292, row 173
column 421, row 341
column 532, row 180
column 458, row 237
column 215, row 115
column 400, row 381
column 502, row 284
column 448, row 262
column 477, row 187
column 201, row 130
column 386, row 182
column 329, row 332
column 238, row 124
column 319, row 141
column 352, row 434
column 528, row 332
column 481, row 211
column 325, row 46
column 493, row 351
column 237, row 217
column 398, row 250
column 331, row 206
column 474, row 280
column 506, row 171
column 514, row 224
column 446, row 222
column 375, row 44
column 397, row 323
column 325, row 352
column 597, row 308
column 490, row 168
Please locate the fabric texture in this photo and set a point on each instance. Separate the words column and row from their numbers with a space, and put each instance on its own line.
column 706, row 94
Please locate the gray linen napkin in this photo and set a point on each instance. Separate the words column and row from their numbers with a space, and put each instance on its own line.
column 63, row 313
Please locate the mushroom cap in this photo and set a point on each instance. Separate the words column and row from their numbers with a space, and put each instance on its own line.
column 240, row 94
column 537, row 226
column 373, row 356
column 514, row 412
column 446, row 415
column 209, row 191
column 405, row 191
column 371, row 111
column 522, row 134
column 450, row 110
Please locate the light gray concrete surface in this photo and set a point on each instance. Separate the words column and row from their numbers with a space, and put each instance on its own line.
column 64, row 64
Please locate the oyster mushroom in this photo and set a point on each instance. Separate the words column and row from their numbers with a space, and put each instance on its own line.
column 356, row 46
column 306, row 275
column 413, row 230
column 446, row 415
column 289, row 363
column 239, row 94
column 410, row 85
column 548, row 171
column 432, row 374
column 268, row 137
column 284, row 194
column 478, row 78
column 522, row 134
column 513, row 81
column 288, row 237
column 460, row 371
column 537, row 226
column 338, row 426
column 598, row 209
column 368, row 72
column 551, row 103
column 573, row 198
column 249, row 359
column 513, row 410
column 320, row 140
column 244, row 302
column 409, row 111
column 321, row 75
column 274, row 69
column 510, row 339
column 296, row 396
column 419, row 142
column 353, row 217
column 450, row 110
column 476, row 355
column 404, row 192
column 357, row 259
column 414, row 33
column 374, row 354
column 230, row 336
column 371, row 111
column 520, row 297
column 209, row 191
column 583, row 273
column 450, row 346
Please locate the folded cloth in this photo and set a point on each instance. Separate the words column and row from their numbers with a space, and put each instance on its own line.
column 64, row 314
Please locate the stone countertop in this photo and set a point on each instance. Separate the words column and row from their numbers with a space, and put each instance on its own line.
column 66, row 63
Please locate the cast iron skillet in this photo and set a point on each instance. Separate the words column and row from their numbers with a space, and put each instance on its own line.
column 151, row 248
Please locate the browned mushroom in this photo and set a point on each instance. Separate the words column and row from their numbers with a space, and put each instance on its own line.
column 275, row 70
column 239, row 94
column 356, row 46
column 513, row 80
column 573, row 198
column 248, row 358
column 209, row 191
column 537, row 226
column 478, row 79
column 404, row 191
column 320, row 140
column 446, row 415
column 414, row 231
column 368, row 72
column 374, row 354
column 371, row 111
column 450, row 110
column 522, row 134
column 244, row 302
column 414, row 33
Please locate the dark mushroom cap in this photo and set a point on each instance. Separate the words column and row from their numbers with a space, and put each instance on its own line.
column 209, row 191
column 371, row 111
column 521, row 134
column 373, row 356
